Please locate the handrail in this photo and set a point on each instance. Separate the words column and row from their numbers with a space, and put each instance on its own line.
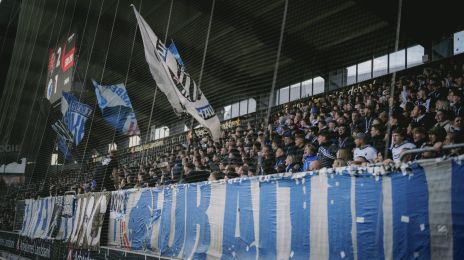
column 430, row 149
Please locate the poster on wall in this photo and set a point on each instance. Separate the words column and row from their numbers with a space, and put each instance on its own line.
column 60, row 68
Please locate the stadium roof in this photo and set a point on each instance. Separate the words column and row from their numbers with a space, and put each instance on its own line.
column 320, row 36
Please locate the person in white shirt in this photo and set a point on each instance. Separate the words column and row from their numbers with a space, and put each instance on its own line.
column 399, row 144
column 363, row 149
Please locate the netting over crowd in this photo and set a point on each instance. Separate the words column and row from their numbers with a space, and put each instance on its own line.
column 349, row 127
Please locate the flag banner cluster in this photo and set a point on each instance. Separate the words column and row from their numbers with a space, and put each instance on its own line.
column 415, row 213
column 77, row 220
column 116, row 108
column 175, row 82
column 64, row 139
column 75, row 115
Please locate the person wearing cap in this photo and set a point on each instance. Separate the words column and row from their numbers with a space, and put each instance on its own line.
column 363, row 149
column 327, row 151
column 289, row 145
column 400, row 144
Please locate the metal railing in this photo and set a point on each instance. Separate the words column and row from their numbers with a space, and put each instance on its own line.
column 430, row 149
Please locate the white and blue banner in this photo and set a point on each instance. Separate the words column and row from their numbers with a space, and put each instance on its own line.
column 116, row 108
column 77, row 220
column 415, row 213
column 75, row 115
column 175, row 82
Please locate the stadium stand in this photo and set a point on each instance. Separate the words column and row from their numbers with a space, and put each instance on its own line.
column 340, row 123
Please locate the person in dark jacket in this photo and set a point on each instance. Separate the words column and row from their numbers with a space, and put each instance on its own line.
column 299, row 147
column 420, row 118
column 289, row 145
column 280, row 158
column 377, row 138
column 327, row 151
column 345, row 140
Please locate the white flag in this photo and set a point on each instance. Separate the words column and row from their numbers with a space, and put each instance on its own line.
column 172, row 79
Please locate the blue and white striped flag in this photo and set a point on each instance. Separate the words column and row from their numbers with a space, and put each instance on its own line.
column 75, row 115
column 116, row 108
column 413, row 214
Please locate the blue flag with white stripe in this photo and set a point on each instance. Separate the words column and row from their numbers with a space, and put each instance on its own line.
column 75, row 115
column 63, row 147
column 116, row 108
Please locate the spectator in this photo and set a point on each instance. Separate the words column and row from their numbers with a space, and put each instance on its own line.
column 363, row 149
column 420, row 117
column 339, row 163
column 214, row 176
column 377, row 138
column 327, row 151
column 419, row 136
column 280, row 158
column 316, row 165
column 442, row 120
column 455, row 99
column 400, row 145
column 310, row 155
column 345, row 140
column 290, row 165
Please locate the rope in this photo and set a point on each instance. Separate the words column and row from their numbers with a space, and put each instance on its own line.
column 206, row 44
column 20, row 43
column 37, row 89
column 392, row 86
column 276, row 68
column 101, row 79
column 48, row 115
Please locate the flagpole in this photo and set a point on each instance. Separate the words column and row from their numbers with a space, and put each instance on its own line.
column 149, row 121
column 144, row 152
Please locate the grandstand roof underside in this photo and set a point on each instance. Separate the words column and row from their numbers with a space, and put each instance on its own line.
column 320, row 36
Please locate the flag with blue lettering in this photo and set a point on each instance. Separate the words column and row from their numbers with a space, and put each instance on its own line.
column 75, row 115
column 175, row 82
column 116, row 108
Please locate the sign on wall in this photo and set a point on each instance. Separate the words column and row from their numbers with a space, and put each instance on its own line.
column 60, row 68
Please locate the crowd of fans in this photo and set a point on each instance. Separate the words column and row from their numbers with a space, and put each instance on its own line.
column 356, row 126
column 347, row 127
column 9, row 194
